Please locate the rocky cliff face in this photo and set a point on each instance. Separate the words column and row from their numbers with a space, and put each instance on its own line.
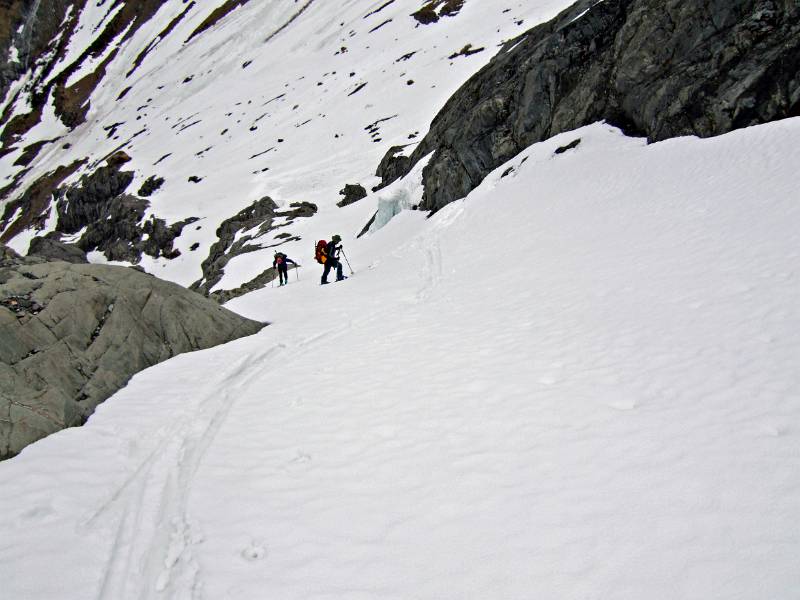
column 99, row 209
column 72, row 334
column 29, row 26
column 654, row 68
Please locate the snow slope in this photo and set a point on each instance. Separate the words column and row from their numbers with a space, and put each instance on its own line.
column 580, row 382
column 268, row 102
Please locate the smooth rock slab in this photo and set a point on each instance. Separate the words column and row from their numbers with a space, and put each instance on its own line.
column 71, row 335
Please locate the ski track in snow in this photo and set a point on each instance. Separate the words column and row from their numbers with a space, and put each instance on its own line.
column 152, row 550
column 150, row 505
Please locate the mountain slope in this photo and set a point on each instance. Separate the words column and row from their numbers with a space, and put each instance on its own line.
column 246, row 100
column 579, row 381
column 589, row 393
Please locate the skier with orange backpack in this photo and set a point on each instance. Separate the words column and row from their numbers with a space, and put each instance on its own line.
column 327, row 254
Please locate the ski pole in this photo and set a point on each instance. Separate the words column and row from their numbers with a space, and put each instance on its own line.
column 297, row 272
column 348, row 262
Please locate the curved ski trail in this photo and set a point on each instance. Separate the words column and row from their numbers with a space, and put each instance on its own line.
column 151, row 553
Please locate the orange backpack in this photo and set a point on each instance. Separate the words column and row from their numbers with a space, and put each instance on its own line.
column 319, row 252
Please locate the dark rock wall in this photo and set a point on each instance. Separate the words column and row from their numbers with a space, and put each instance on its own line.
column 40, row 22
column 654, row 68
column 91, row 200
column 114, row 221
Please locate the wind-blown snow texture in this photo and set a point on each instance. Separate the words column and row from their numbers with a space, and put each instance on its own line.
column 580, row 382
column 290, row 100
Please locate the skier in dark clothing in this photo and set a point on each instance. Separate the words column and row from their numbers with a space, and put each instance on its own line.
column 332, row 251
column 280, row 262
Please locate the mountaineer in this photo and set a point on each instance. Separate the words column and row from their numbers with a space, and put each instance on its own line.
column 280, row 262
column 327, row 253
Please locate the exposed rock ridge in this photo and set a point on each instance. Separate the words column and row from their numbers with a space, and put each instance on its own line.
column 352, row 192
column 111, row 220
column 656, row 69
column 73, row 334
column 257, row 220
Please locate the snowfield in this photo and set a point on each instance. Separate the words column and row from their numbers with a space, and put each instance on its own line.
column 582, row 381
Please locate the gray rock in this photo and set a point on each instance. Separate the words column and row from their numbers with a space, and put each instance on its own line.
column 653, row 68
column 8, row 256
column 434, row 9
column 51, row 249
column 259, row 214
column 71, row 335
column 352, row 193
column 393, row 166
column 158, row 238
column 151, row 186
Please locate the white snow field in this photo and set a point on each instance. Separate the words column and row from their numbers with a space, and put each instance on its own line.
column 581, row 382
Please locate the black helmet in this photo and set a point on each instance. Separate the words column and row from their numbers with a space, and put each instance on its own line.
column 336, row 238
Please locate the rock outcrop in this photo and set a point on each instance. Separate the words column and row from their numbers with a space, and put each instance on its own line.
column 352, row 193
column 653, row 68
column 393, row 166
column 52, row 249
column 258, row 219
column 112, row 220
column 433, row 10
column 151, row 186
column 73, row 334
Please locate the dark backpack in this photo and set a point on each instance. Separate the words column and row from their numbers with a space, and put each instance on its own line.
column 319, row 252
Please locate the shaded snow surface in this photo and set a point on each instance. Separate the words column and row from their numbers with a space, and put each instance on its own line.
column 581, row 382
